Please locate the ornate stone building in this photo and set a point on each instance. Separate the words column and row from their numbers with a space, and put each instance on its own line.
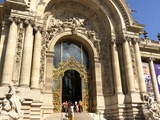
column 58, row 50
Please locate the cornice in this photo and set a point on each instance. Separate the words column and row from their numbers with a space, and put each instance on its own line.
column 148, row 46
column 147, row 55
column 149, row 50
column 25, row 15
column 131, row 25
column 17, row 5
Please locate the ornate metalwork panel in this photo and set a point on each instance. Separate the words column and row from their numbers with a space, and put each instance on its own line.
column 57, row 83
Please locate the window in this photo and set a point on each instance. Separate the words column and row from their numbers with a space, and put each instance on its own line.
column 67, row 49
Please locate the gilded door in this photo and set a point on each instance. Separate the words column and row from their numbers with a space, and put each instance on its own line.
column 70, row 64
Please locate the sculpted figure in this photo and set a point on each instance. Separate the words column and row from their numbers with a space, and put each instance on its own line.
column 10, row 108
column 151, row 109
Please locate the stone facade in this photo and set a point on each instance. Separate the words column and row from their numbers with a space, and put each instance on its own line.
column 30, row 30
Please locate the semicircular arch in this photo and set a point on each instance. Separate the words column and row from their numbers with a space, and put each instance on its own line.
column 114, row 15
column 79, row 38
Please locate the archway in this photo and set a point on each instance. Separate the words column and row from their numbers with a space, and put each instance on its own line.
column 71, row 86
column 71, row 74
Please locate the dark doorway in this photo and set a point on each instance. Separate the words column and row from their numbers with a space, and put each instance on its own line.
column 71, row 86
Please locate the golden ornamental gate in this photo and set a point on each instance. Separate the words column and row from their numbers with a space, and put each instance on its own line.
column 57, row 83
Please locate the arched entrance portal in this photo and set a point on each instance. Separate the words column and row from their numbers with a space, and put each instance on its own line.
column 71, row 86
column 70, row 75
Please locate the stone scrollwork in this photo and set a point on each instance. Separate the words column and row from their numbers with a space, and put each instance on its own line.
column 10, row 108
column 151, row 109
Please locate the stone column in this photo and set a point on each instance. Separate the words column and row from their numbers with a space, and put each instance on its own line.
column 10, row 53
column 116, row 67
column 99, row 93
column 27, row 55
column 128, row 65
column 154, row 80
column 49, row 71
column 36, row 60
column 139, row 66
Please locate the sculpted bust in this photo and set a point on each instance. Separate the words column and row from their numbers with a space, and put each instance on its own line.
column 10, row 108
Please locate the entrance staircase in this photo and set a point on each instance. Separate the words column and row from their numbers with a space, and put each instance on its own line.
column 77, row 116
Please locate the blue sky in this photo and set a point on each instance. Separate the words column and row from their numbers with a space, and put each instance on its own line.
column 148, row 13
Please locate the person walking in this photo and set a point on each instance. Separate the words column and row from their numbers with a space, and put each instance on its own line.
column 66, row 107
column 69, row 114
column 80, row 106
column 77, row 108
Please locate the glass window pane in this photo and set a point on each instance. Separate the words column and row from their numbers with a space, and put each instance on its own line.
column 70, row 49
column 57, row 55
column 85, row 58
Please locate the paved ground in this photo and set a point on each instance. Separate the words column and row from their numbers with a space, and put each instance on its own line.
column 82, row 116
column 77, row 116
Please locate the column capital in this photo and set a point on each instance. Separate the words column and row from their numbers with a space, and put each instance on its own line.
column 38, row 28
column 126, row 38
column 151, row 59
column 14, row 19
column 29, row 22
column 135, row 40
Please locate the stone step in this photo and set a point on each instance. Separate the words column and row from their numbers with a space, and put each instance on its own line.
column 77, row 116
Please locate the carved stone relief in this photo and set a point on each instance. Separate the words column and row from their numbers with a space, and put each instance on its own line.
column 75, row 25
column 134, row 67
column 42, row 61
column 151, row 108
column 16, row 71
column 133, row 63
column 106, row 69
column 64, row 11
column 10, row 108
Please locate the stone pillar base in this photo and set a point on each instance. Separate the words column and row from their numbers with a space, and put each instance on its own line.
column 47, row 110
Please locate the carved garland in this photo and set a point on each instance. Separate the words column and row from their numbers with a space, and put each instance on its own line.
column 18, row 55
column 42, row 61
